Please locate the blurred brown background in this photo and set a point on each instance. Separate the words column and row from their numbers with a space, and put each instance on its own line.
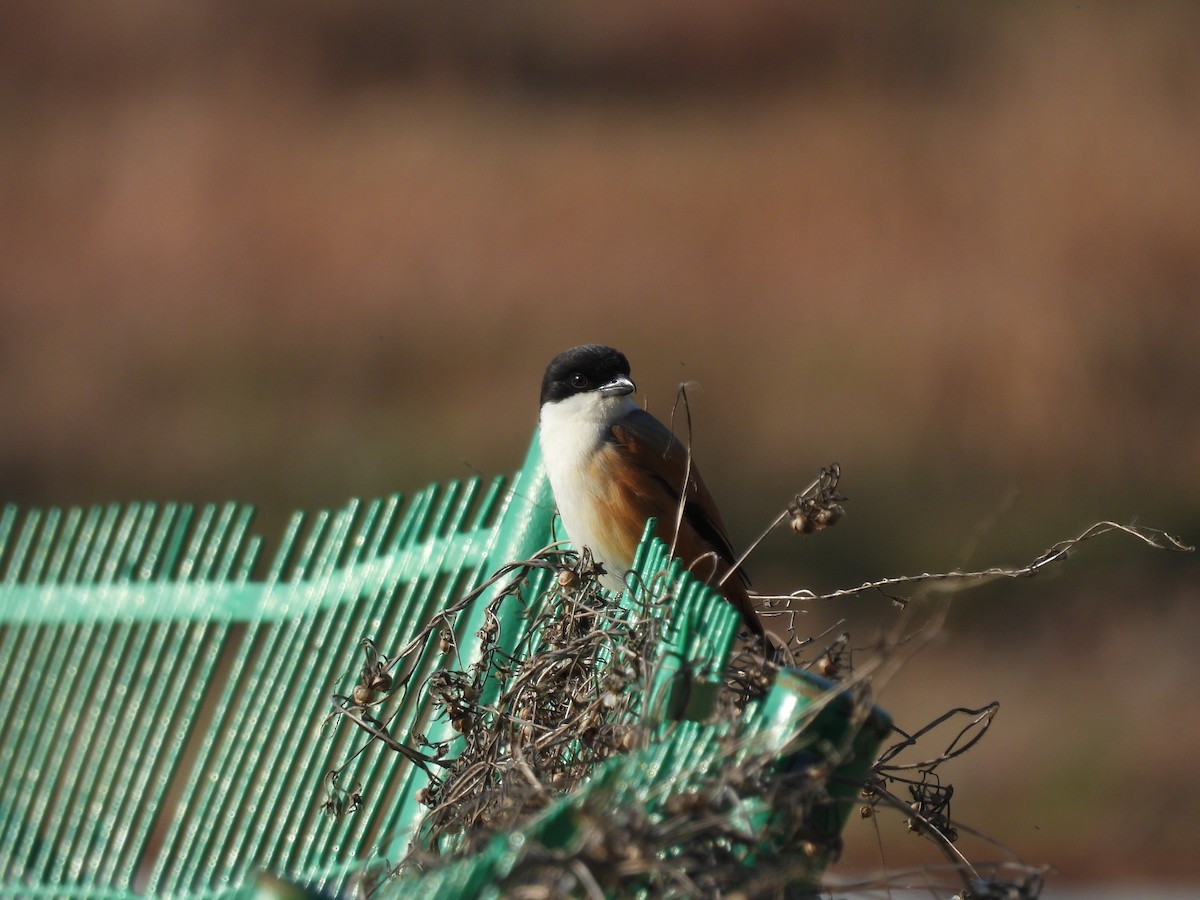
column 295, row 252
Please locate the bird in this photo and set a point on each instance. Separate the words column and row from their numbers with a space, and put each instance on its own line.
column 612, row 466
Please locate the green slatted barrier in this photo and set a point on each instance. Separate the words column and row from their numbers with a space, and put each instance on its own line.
column 163, row 709
column 163, row 712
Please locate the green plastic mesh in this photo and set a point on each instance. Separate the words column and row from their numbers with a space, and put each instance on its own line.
column 163, row 712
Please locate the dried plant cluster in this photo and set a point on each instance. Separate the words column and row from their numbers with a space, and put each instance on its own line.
column 577, row 691
column 569, row 697
column 699, row 843
column 532, row 723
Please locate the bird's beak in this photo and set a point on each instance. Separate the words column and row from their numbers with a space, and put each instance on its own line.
column 618, row 387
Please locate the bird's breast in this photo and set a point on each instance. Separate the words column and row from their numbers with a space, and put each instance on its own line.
column 592, row 493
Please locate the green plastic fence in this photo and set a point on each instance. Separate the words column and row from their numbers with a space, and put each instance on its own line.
column 163, row 713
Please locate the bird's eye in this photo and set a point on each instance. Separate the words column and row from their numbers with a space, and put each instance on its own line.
column 579, row 380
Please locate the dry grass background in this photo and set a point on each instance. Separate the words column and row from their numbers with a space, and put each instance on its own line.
column 296, row 252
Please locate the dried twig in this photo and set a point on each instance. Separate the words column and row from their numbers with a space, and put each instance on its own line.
column 957, row 580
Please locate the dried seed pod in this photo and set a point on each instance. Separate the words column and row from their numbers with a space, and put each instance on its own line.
column 381, row 682
column 802, row 524
column 828, row 516
column 362, row 695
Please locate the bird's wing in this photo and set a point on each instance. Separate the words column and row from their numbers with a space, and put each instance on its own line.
column 652, row 447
